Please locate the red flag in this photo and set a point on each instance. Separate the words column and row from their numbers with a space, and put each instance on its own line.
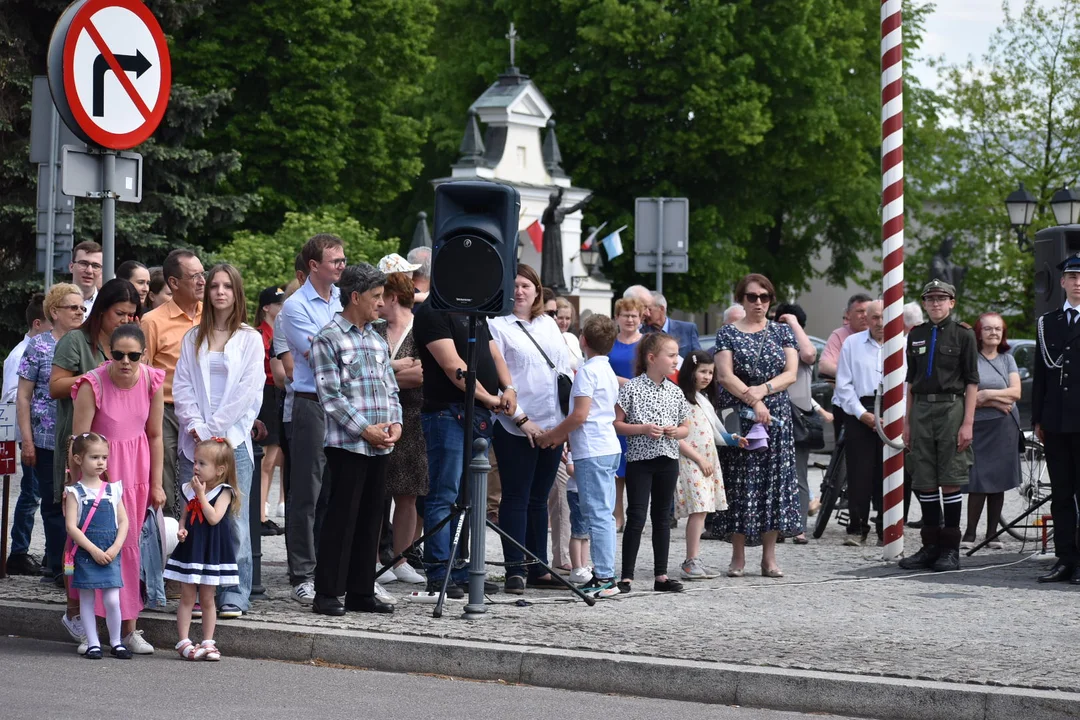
column 536, row 234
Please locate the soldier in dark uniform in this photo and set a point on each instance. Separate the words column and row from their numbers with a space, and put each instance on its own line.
column 942, row 382
column 1055, row 413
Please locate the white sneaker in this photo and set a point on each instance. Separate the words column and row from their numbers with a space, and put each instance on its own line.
column 304, row 593
column 580, row 576
column 137, row 644
column 82, row 647
column 406, row 573
column 280, row 510
column 75, row 629
column 382, row 596
column 387, row 577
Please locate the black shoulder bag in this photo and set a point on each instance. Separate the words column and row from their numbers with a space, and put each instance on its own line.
column 564, row 381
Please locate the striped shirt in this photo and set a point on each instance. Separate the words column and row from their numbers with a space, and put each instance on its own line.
column 355, row 382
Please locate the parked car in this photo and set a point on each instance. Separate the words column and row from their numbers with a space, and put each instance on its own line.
column 1023, row 351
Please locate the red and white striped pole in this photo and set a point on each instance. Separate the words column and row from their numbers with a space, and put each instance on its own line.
column 892, row 268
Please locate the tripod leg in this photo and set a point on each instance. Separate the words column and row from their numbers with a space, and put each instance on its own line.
column 589, row 600
column 428, row 533
column 1011, row 525
column 461, row 514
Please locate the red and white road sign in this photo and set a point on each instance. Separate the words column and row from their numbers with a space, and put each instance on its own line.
column 7, row 457
column 114, row 76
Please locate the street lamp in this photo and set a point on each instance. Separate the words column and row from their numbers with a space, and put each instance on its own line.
column 1066, row 205
column 1021, row 206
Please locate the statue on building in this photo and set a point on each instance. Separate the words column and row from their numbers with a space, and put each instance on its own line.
column 551, row 256
column 943, row 268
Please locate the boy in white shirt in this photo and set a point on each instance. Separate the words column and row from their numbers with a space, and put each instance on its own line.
column 591, row 431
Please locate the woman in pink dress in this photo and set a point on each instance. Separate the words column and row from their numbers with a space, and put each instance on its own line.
column 123, row 401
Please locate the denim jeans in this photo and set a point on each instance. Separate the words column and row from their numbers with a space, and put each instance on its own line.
column 237, row 595
column 445, row 440
column 596, row 497
column 150, row 565
column 52, row 513
column 22, row 524
column 527, row 476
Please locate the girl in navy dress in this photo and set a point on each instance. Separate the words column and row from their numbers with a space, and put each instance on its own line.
column 205, row 557
column 97, row 525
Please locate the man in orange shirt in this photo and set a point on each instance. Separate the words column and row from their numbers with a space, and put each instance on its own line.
column 165, row 327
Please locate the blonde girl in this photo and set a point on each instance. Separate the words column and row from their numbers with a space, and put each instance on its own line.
column 205, row 557
column 97, row 525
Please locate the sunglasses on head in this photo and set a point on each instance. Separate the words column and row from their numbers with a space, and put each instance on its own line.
column 755, row 297
column 132, row 356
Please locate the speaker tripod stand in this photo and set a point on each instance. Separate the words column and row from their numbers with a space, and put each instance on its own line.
column 474, row 471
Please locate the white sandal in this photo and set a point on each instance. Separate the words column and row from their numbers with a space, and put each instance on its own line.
column 209, row 651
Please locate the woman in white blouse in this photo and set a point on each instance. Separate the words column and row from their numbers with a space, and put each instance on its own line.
column 217, row 392
column 527, row 470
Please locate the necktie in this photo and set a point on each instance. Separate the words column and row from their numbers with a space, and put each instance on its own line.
column 1071, row 313
column 933, row 343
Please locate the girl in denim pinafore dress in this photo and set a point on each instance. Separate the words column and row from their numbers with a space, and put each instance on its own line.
column 97, row 524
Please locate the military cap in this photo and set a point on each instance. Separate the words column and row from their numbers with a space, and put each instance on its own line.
column 939, row 286
column 1070, row 264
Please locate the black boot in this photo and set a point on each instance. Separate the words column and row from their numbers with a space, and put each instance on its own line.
column 927, row 555
column 949, row 544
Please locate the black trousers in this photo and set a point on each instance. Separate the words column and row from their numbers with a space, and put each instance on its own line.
column 645, row 479
column 1063, row 463
column 863, row 450
column 350, row 533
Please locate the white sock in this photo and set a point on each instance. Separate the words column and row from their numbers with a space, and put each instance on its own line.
column 89, row 619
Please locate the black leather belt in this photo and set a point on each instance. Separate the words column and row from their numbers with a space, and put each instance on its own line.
column 306, row 395
column 938, row 397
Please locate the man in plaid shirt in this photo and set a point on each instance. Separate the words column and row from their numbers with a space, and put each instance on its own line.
column 359, row 394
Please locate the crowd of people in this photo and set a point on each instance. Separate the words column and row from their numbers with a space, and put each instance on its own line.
column 142, row 398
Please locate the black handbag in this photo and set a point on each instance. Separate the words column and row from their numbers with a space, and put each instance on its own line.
column 565, row 382
column 807, row 428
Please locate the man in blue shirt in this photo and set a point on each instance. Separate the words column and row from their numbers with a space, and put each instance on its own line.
column 304, row 314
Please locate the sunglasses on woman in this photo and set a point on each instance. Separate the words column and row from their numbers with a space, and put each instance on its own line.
column 132, row 356
column 755, row 297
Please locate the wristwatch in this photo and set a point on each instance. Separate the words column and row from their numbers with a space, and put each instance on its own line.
column 769, row 387
column 510, row 387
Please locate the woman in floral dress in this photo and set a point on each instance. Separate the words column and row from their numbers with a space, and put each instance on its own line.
column 756, row 360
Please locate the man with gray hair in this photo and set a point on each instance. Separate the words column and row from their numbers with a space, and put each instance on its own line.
column 359, row 396
column 913, row 315
column 684, row 332
column 421, row 277
column 734, row 314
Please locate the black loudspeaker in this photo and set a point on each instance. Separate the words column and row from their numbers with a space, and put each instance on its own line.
column 474, row 254
column 1052, row 246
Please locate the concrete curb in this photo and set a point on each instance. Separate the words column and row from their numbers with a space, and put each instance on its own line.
column 640, row 676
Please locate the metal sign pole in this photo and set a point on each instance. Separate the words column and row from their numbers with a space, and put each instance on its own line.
column 4, row 529
column 108, row 215
column 54, row 168
column 660, row 246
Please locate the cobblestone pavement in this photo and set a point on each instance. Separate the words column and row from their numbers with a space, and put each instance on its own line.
column 837, row 609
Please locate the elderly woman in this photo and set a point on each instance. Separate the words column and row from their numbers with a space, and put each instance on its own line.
column 756, row 361
column 528, row 339
column 36, row 412
column 996, row 433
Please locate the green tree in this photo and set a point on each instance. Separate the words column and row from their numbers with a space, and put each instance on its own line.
column 267, row 259
column 1012, row 117
column 765, row 115
column 183, row 198
column 320, row 95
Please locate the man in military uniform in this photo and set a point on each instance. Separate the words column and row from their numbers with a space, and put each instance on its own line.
column 1055, row 413
column 943, row 380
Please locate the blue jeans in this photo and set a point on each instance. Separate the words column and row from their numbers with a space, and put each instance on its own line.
column 596, row 496
column 150, row 566
column 52, row 513
column 22, row 524
column 527, row 474
column 445, row 440
column 238, row 595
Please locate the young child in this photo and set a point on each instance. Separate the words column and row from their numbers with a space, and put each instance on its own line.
column 654, row 415
column 701, row 487
column 580, row 572
column 595, row 448
column 97, row 525
column 205, row 557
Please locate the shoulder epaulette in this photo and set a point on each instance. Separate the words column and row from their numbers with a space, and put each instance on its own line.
column 964, row 325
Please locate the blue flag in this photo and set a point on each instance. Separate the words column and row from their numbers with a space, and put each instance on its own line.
column 613, row 244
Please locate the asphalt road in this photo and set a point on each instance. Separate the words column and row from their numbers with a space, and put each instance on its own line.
column 47, row 680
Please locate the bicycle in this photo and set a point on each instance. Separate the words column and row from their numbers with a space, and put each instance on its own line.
column 833, row 489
